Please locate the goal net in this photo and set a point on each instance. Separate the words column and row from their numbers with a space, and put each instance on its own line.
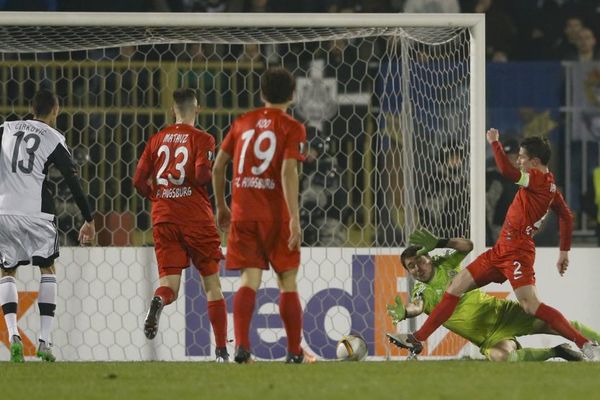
column 389, row 101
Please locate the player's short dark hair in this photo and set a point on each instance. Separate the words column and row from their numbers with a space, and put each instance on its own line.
column 537, row 147
column 410, row 251
column 277, row 85
column 43, row 102
column 184, row 98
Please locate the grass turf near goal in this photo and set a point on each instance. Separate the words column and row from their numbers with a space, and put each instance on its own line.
column 326, row 380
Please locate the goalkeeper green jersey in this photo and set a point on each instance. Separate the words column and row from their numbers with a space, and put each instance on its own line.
column 479, row 317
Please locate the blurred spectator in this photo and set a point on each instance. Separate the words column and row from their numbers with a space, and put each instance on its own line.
column 30, row 5
column 444, row 196
column 105, row 5
column 499, row 193
column 213, row 6
column 431, row 6
column 565, row 47
column 321, row 218
column 586, row 46
column 500, row 30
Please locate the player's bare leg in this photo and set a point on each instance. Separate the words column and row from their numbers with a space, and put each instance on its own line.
column 529, row 300
column 507, row 350
column 217, row 314
column 243, row 307
column 165, row 294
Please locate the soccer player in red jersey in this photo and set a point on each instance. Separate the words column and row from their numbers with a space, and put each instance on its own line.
column 173, row 172
column 267, row 146
column 513, row 255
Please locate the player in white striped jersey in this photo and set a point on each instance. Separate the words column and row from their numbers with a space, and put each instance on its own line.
column 28, row 232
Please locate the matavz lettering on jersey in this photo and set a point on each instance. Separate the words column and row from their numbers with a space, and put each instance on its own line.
column 176, row 138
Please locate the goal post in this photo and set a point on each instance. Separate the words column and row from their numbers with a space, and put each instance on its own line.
column 394, row 106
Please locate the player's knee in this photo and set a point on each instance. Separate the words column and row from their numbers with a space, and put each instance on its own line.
column 8, row 271
column 48, row 270
column 530, row 307
column 287, row 281
column 498, row 355
column 288, row 285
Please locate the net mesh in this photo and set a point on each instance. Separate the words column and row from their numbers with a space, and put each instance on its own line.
column 387, row 116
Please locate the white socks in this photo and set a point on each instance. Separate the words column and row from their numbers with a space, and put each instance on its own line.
column 47, row 305
column 9, row 299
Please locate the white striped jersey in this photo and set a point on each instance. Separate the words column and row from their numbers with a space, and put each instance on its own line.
column 28, row 149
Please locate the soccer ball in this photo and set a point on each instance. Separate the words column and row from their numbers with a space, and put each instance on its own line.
column 351, row 348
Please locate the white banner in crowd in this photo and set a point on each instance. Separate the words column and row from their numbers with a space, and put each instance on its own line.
column 585, row 78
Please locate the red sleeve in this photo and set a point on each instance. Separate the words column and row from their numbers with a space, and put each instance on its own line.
column 504, row 165
column 565, row 220
column 204, row 160
column 228, row 144
column 295, row 145
column 142, row 173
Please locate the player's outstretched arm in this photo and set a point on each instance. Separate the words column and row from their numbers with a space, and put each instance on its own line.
column 428, row 241
column 502, row 162
column 218, row 182
column 399, row 312
column 290, row 182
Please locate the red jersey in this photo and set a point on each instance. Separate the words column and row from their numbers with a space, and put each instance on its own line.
column 538, row 194
column 178, row 159
column 258, row 142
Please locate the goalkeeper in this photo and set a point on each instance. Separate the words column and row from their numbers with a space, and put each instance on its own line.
column 490, row 323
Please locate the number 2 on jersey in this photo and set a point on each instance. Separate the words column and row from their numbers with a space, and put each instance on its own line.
column 265, row 155
column 179, row 166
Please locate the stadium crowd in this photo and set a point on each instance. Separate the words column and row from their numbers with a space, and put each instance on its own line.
column 515, row 30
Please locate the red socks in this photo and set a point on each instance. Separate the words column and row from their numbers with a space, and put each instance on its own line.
column 291, row 315
column 217, row 314
column 243, row 307
column 438, row 316
column 559, row 323
column 166, row 294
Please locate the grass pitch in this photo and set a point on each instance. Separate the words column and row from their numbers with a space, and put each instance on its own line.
column 326, row 380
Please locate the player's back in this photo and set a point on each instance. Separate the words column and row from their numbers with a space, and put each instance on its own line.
column 259, row 142
column 173, row 154
column 529, row 207
column 27, row 150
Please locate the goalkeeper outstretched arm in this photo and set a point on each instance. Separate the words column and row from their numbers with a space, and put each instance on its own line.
column 399, row 312
column 428, row 241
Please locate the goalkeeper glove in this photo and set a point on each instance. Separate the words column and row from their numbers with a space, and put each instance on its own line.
column 427, row 240
column 396, row 311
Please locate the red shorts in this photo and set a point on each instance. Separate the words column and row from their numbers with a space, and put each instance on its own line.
column 503, row 262
column 255, row 244
column 175, row 245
